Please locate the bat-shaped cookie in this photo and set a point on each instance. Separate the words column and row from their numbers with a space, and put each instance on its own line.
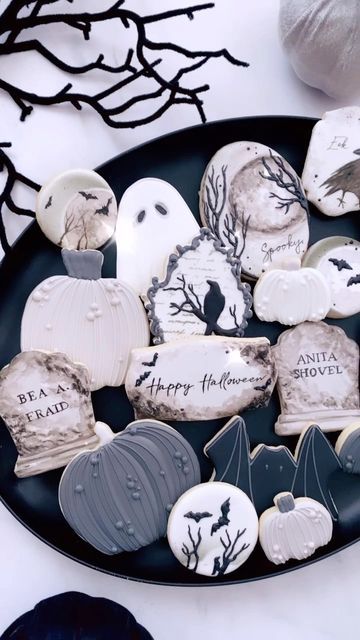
column 88, row 196
column 340, row 264
column 354, row 280
column 223, row 520
column 263, row 387
column 153, row 361
column 198, row 515
column 104, row 211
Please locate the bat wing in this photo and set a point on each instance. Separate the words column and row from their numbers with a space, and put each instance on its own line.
column 225, row 508
column 354, row 280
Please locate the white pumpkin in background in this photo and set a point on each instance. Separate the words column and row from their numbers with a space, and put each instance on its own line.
column 94, row 320
column 294, row 529
column 289, row 294
column 321, row 38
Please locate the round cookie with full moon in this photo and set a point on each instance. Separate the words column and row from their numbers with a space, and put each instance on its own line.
column 213, row 528
column 338, row 259
column 252, row 199
column 77, row 210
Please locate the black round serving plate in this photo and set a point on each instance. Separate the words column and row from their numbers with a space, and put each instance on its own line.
column 179, row 158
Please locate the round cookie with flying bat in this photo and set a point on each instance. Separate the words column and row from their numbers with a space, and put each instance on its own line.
column 337, row 258
column 213, row 528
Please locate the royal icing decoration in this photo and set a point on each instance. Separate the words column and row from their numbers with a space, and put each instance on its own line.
column 201, row 295
column 252, row 200
column 118, row 497
column 294, row 529
column 272, row 470
column 318, row 378
column 46, row 404
column 348, row 448
column 94, row 320
column 331, row 175
column 200, row 378
column 288, row 294
column 213, row 529
column 77, row 210
column 338, row 260
column 153, row 219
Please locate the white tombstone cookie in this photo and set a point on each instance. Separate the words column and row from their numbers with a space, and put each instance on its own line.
column 46, row 404
column 294, row 529
column 200, row 378
column 252, row 199
column 338, row 259
column 77, row 210
column 318, row 378
column 331, row 175
column 213, row 528
column 202, row 293
column 93, row 320
column 289, row 294
column 153, row 219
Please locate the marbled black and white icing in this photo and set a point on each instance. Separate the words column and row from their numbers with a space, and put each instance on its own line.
column 77, row 210
column 118, row 497
column 200, row 378
column 294, row 529
column 213, row 529
column 338, row 259
column 252, row 199
column 331, row 175
column 318, row 378
column 46, row 404
column 289, row 294
column 94, row 320
column 202, row 293
column 153, row 219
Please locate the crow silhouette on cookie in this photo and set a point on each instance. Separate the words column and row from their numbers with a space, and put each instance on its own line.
column 345, row 179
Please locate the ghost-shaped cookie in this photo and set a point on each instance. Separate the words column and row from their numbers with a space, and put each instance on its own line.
column 153, row 219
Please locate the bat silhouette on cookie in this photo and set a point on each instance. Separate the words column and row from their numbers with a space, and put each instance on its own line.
column 354, row 280
column 49, row 203
column 88, row 196
column 263, row 387
column 152, row 363
column 340, row 264
column 198, row 515
column 141, row 378
column 104, row 211
column 223, row 520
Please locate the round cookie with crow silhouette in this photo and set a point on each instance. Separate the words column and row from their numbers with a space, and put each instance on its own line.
column 213, row 528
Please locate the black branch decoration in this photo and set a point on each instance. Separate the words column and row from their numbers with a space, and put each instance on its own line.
column 6, row 196
column 20, row 18
column 284, row 179
column 192, row 552
column 192, row 305
column 137, row 61
column 229, row 554
column 227, row 224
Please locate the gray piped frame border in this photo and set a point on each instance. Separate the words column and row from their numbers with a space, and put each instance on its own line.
column 235, row 264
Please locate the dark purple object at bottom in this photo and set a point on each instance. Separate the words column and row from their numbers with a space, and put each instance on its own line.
column 76, row 616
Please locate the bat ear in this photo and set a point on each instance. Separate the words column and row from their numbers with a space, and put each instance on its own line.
column 357, row 152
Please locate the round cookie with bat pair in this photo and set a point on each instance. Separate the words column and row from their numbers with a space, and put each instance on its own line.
column 213, row 528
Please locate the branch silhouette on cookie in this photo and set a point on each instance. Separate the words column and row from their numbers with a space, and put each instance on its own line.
column 284, row 179
column 228, row 554
column 209, row 312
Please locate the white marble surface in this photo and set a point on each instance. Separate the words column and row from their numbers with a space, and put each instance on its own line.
column 318, row 602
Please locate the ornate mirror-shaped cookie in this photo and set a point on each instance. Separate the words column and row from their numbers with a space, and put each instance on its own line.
column 202, row 293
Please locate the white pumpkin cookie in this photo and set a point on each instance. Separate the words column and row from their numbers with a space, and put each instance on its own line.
column 202, row 293
column 94, row 320
column 331, row 175
column 288, row 294
column 294, row 529
column 153, row 219
column 338, row 259
column 213, row 528
column 77, row 210
column 252, row 199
